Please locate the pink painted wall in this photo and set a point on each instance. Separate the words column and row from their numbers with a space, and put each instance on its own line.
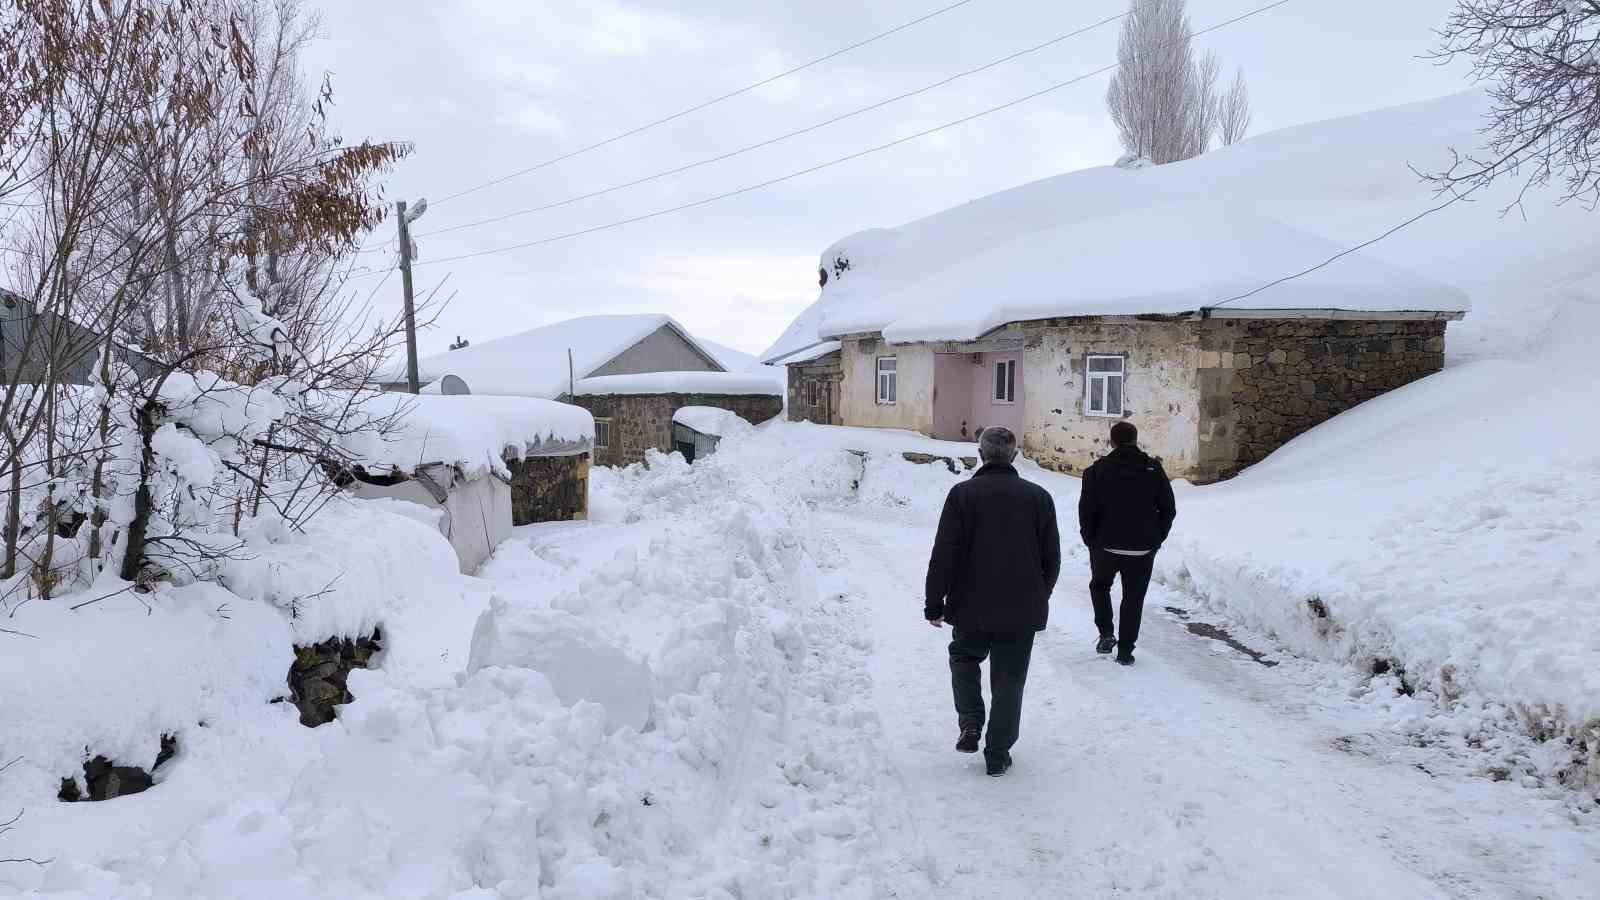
column 964, row 395
column 952, row 395
column 985, row 410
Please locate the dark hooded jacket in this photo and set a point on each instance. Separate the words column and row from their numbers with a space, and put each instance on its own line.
column 1126, row 502
column 997, row 554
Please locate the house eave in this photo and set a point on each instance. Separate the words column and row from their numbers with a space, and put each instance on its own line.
column 1395, row 315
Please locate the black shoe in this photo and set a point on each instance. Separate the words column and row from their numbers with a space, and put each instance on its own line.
column 1106, row 644
column 968, row 743
column 998, row 767
column 1125, row 658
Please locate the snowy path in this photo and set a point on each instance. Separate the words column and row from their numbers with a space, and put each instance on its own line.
column 1198, row 773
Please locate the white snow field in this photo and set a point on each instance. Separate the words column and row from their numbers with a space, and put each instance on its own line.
column 721, row 686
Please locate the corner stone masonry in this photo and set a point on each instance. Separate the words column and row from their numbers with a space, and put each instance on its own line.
column 1265, row 381
column 318, row 676
column 549, row 488
column 641, row 422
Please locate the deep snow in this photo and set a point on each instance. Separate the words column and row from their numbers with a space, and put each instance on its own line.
column 796, row 739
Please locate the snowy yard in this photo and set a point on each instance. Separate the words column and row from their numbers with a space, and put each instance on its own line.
column 721, row 686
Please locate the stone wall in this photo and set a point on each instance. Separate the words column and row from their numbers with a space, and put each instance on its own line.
column 640, row 422
column 318, row 675
column 827, row 374
column 1265, row 381
column 549, row 488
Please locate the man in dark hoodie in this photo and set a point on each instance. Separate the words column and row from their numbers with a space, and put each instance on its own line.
column 994, row 566
column 1124, row 513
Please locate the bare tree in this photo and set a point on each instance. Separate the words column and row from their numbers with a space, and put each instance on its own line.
column 1233, row 111
column 1162, row 99
column 1542, row 59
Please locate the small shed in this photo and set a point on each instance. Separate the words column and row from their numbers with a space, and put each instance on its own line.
column 486, row 463
column 637, row 413
column 697, row 430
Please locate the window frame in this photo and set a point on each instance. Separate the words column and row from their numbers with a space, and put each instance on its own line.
column 605, row 422
column 1091, row 378
column 813, row 392
column 891, row 396
column 1008, row 386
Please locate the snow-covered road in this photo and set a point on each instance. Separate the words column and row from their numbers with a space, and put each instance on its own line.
column 1197, row 773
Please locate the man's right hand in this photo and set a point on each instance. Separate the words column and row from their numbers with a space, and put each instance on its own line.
column 937, row 623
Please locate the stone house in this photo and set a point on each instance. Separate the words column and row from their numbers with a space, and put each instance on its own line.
column 1058, row 333
column 815, row 383
column 632, row 372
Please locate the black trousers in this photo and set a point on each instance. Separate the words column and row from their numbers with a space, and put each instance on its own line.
column 1135, row 572
column 1008, row 655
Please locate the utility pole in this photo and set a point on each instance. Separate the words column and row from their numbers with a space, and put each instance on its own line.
column 404, row 220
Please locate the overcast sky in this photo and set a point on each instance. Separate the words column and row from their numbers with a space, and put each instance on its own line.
column 486, row 87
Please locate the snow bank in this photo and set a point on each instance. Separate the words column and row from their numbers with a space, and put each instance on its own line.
column 711, row 420
column 117, row 674
column 726, row 383
column 472, row 432
column 580, row 664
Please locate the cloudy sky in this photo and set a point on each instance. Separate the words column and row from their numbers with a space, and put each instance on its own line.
column 484, row 88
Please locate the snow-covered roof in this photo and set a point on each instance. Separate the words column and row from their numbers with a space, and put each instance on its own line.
column 534, row 363
column 756, row 383
column 1336, row 183
column 1165, row 259
column 807, row 354
column 711, row 420
column 473, row 432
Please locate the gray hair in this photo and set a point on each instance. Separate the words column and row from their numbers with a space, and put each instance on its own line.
column 997, row 445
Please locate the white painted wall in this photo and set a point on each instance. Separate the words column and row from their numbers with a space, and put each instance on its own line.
column 913, row 408
column 477, row 512
column 1161, row 393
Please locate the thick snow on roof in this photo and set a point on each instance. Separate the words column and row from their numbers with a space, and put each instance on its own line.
column 472, row 432
column 1344, row 181
column 807, row 354
column 534, row 363
column 1165, row 259
column 762, row 383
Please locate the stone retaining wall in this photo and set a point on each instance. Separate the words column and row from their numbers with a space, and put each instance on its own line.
column 640, row 422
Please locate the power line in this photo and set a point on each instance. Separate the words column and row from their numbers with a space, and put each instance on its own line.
column 1454, row 199
column 782, row 137
column 833, row 162
column 708, row 103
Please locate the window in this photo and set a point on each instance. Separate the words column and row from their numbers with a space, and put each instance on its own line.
column 1103, row 385
column 602, row 434
column 887, row 378
column 1005, row 381
column 813, row 395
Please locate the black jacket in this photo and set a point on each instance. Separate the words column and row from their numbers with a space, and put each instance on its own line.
column 1126, row 503
column 997, row 555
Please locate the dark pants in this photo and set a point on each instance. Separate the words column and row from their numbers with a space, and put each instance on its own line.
column 1135, row 572
column 1008, row 655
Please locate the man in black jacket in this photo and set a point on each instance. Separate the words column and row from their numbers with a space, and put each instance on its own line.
column 1124, row 513
column 995, row 563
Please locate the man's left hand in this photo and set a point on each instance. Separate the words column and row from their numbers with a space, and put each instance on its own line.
column 937, row 623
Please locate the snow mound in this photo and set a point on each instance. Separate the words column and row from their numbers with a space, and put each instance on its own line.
column 760, row 383
column 580, row 664
column 471, row 432
column 711, row 420
column 139, row 666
